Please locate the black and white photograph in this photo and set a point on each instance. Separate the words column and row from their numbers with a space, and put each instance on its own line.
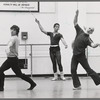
column 49, row 49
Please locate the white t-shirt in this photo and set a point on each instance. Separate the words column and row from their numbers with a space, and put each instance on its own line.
column 12, row 47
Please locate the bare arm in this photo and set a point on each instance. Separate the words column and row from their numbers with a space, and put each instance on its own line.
column 40, row 26
column 10, row 44
column 64, row 42
column 94, row 45
column 76, row 17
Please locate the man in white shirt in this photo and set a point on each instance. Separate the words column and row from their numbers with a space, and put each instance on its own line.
column 12, row 60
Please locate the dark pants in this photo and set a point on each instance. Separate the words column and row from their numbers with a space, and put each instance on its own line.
column 55, row 56
column 12, row 62
column 81, row 58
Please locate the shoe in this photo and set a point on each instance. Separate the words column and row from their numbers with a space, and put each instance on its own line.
column 55, row 78
column 32, row 86
column 77, row 88
column 63, row 78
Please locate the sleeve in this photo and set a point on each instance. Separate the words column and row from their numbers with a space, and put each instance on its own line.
column 48, row 33
column 61, row 36
column 89, row 41
column 78, row 29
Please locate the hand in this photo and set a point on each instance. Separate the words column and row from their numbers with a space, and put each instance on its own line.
column 37, row 21
column 98, row 44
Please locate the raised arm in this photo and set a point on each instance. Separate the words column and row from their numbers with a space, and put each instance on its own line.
column 40, row 26
column 76, row 18
column 64, row 42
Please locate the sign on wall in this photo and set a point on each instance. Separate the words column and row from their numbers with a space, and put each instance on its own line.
column 19, row 6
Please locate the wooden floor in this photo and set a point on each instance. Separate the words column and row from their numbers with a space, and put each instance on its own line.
column 17, row 88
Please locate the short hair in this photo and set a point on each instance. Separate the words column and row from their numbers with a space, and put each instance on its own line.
column 56, row 24
column 91, row 28
column 16, row 28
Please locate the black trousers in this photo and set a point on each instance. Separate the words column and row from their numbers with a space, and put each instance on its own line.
column 12, row 62
column 81, row 58
column 55, row 56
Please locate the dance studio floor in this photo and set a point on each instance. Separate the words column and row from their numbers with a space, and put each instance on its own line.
column 17, row 88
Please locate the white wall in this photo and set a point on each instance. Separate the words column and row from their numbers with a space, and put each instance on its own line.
column 50, row 12
column 93, row 19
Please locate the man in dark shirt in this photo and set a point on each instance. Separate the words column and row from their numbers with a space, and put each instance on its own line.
column 82, row 40
column 55, row 54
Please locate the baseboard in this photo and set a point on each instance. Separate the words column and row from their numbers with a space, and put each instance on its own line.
column 48, row 75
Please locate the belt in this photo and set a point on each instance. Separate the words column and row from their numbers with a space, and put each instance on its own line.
column 54, row 45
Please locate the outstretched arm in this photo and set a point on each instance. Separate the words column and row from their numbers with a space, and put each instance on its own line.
column 64, row 42
column 76, row 18
column 40, row 26
column 94, row 45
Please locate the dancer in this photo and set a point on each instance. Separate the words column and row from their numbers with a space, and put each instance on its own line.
column 12, row 60
column 55, row 54
column 81, row 42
